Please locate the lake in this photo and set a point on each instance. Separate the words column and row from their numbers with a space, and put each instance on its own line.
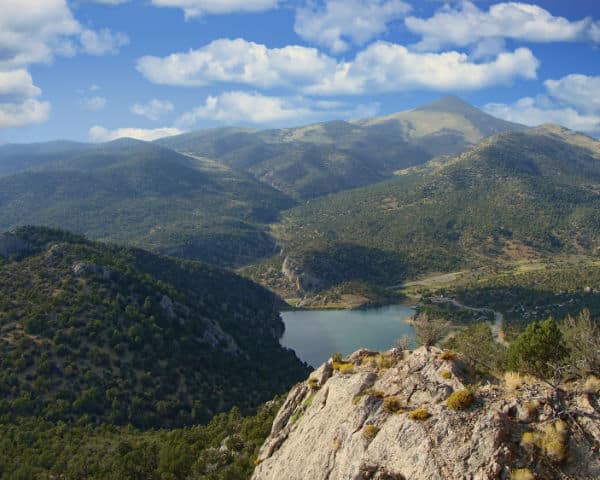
column 316, row 334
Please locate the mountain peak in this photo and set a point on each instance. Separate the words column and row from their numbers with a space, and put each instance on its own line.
column 449, row 103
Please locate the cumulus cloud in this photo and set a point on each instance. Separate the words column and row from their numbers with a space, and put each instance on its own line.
column 93, row 104
column 466, row 25
column 381, row 67
column 571, row 101
column 18, row 103
column 195, row 8
column 244, row 107
column 237, row 61
column 152, row 110
column 388, row 67
column 35, row 31
column 340, row 22
column 101, row 134
column 580, row 91
column 102, row 42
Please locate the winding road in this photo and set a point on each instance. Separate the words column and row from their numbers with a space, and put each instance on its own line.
column 497, row 332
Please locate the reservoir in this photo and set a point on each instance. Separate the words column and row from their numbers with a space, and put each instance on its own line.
column 316, row 334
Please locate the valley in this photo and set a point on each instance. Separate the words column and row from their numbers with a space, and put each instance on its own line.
column 159, row 298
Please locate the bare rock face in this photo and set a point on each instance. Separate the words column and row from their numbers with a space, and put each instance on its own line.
column 384, row 416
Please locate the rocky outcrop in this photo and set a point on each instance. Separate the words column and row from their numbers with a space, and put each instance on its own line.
column 12, row 245
column 302, row 281
column 389, row 416
column 87, row 268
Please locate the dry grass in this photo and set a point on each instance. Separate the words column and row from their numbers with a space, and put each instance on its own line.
column 447, row 355
column 460, row 400
column 521, row 474
column 447, row 374
column 419, row 414
column 392, row 405
column 513, row 380
column 552, row 442
column 592, row 385
column 370, row 431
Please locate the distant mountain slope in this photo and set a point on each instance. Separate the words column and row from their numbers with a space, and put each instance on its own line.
column 125, row 336
column 315, row 160
column 146, row 195
column 516, row 195
column 19, row 157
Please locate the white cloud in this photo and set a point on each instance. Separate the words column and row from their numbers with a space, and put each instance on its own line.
column 101, row 134
column 528, row 112
column 467, row 25
column 388, row 67
column 380, row 67
column 20, row 114
column 93, row 104
column 571, row 101
column 152, row 110
column 580, row 91
column 34, row 31
column 102, row 42
column 339, row 22
column 238, row 61
column 195, row 8
column 244, row 107
column 18, row 105
column 17, row 84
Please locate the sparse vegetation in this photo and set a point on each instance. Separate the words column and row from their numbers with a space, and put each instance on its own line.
column 419, row 414
column 392, row 405
column 522, row 474
column 370, row 431
column 460, row 400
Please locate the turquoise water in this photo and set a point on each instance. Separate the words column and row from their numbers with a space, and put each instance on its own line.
column 316, row 334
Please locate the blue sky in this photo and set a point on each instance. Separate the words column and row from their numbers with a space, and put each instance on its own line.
column 94, row 70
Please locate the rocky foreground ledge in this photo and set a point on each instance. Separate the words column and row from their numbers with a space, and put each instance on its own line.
column 423, row 415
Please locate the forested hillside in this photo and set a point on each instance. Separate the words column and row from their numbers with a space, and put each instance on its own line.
column 112, row 334
column 315, row 160
column 141, row 194
column 514, row 196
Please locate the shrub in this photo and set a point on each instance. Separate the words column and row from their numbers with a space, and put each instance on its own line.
column 419, row 414
column 582, row 339
column 537, row 349
column 521, row 474
column 392, row 405
column 370, row 431
column 447, row 374
column 460, row 400
column 336, row 357
column 430, row 331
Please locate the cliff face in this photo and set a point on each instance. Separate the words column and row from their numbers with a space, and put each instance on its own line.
column 390, row 416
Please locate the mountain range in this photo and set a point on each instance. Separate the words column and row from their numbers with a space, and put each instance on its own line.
column 517, row 195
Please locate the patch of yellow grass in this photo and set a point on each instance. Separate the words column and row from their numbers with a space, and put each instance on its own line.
column 370, row 431
column 419, row 414
column 521, row 474
column 460, row 400
column 513, row 380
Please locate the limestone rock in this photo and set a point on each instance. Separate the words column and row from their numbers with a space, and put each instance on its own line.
column 340, row 426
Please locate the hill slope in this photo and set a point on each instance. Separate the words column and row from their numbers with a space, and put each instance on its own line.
column 318, row 159
column 145, row 195
column 516, row 195
column 125, row 336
